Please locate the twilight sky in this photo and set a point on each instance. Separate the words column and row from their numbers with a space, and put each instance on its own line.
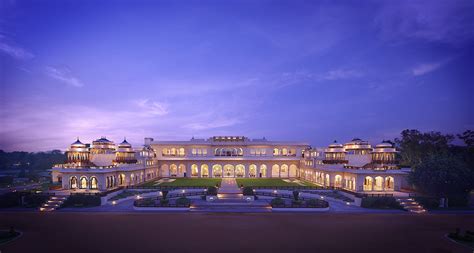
column 310, row 71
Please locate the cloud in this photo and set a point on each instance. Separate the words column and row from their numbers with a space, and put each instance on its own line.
column 339, row 74
column 449, row 22
column 152, row 108
column 426, row 68
column 63, row 75
column 213, row 124
column 14, row 51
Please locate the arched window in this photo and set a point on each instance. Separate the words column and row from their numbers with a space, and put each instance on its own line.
column 228, row 170
column 181, row 152
column 165, row 152
column 276, row 152
column 181, row 170
column 83, row 183
column 73, row 183
column 173, row 151
column 284, row 151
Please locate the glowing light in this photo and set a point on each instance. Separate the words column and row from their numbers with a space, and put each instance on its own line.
column 347, row 203
column 114, row 202
column 138, row 197
column 322, row 197
column 183, row 191
column 275, row 191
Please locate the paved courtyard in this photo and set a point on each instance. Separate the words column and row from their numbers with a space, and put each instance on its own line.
column 227, row 232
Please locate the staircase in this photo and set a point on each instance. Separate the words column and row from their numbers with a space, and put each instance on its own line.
column 53, row 203
column 411, row 205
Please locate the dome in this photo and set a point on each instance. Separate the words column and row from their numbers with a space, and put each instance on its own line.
column 335, row 148
column 335, row 145
column 78, row 144
column 103, row 139
column 384, row 145
column 357, row 143
column 125, row 144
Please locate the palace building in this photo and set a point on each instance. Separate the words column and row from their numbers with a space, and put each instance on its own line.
column 354, row 166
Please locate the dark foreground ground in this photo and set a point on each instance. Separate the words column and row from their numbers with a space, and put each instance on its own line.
column 223, row 232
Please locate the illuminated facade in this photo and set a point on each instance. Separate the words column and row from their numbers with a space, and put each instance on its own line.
column 354, row 166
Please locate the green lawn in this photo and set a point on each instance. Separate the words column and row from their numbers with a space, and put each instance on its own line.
column 187, row 182
column 265, row 182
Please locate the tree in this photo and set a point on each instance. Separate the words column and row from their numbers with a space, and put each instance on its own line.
column 444, row 176
column 415, row 146
column 467, row 137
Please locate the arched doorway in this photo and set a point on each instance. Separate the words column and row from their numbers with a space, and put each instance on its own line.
column 275, row 170
column 228, row 170
column 165, row 171
column 368, row 182
column 239, row 170
column 73, row 183
column 378, row 184
column 389, row 183
column 338, row 181
column 181, row 170
column 173, row 170
column 83, row 183
column 293, row 171
column 93, row 183
column 252, row 170
column 263, row 170
column 217, row 170
column 284, row 170
column 194, row 170
column 204, row 170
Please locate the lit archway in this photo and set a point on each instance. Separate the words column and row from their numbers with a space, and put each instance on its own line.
column 165, row 171
column 284, row 170
column 217, row 170
column 368, row 183
column 83, row 183
column 93, row 183
column 389, row 183
column 73, row 183
column 181, row 170
column 173, row 170
column 252, row 170
column 194, row 170
column 378, row 184
column 204, row 170
column 239, row 170
column 338, row 181
column 228, row 170
column 293, row 171
column 263, row 170
column 275, row 170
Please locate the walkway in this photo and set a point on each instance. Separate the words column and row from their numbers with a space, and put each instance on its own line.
column 229, row 186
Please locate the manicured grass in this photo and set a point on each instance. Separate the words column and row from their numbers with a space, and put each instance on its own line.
column 187, row 182
column 264, row 182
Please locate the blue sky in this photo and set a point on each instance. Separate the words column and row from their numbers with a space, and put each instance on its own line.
column 310, row 71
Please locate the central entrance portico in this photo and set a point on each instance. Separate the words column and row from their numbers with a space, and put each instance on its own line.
column 229, row 170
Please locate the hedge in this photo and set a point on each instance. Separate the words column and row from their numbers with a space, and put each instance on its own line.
column 81, row 200
column 380, row 203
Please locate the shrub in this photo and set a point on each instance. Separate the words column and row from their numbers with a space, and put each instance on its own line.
column 183, row 201
column 164, row 194
column 296, row 195
column 248, row 191
column 10, row 199
column 35, row 200
column 164, row 202
column 380, row 203
column 276, row 202
column 317, row 203
column 211, row 191
column 82, row 200
column 148, row 202
column 295, row 202
column 428, row 202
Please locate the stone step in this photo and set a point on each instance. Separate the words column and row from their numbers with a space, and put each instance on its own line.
column 46, row 209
